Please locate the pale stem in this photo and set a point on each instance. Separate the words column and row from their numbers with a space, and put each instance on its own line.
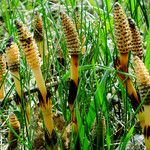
column 40, row 82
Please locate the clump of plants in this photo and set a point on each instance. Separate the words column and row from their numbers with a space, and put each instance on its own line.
column 73, row 75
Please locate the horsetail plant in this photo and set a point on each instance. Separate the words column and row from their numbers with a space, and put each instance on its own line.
column 124, row 45
column 32, row 55
column 12, row 53
column 2, row 73
column 14, row 131
column 31, row 52
column 143, row 82
column 39, row 35
column 73, row 46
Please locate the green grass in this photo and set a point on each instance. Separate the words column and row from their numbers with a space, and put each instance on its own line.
column 96, row 72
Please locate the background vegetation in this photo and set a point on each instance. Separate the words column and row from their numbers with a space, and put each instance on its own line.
column 100, row 93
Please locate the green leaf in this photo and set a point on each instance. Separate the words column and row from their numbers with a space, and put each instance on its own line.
column 83, row 139
column 92, row 3
column 126, row 139
column 99, row 99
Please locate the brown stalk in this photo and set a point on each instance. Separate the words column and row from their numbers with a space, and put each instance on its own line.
column 143, row 82
column 73, row 46
column 12, row 138
column 2, row 73
column 32, row 55
column 137, row 48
